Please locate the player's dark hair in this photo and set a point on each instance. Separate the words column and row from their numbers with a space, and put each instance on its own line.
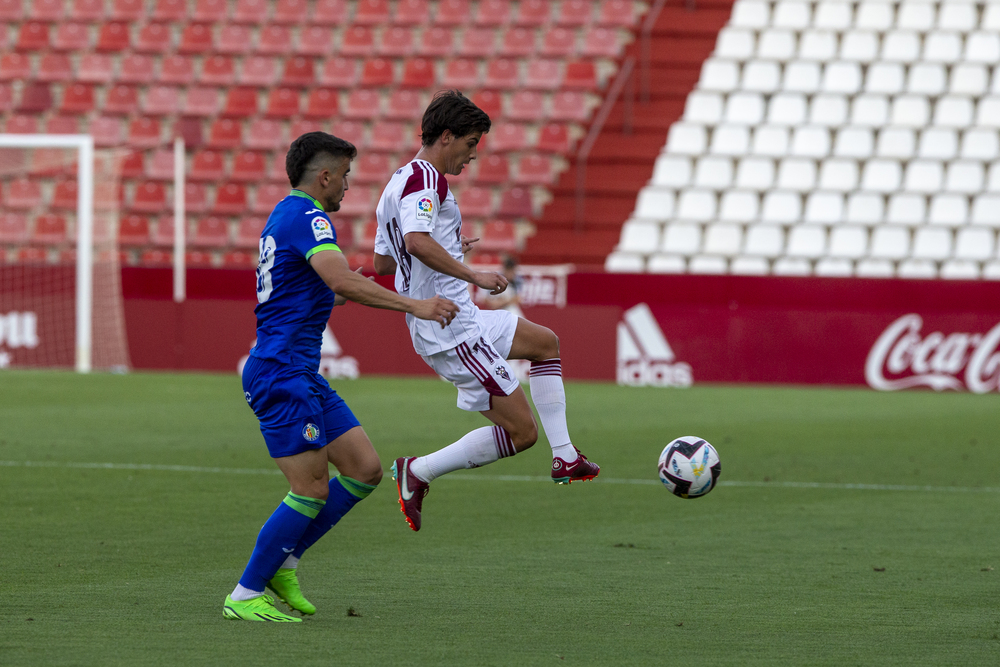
column 451, row 110
column 308, row 146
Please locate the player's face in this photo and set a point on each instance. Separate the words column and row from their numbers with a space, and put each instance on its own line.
column 336, row 184
column 460, row 151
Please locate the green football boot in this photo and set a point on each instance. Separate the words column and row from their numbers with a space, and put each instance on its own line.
column 285, row 584
column 257, row 609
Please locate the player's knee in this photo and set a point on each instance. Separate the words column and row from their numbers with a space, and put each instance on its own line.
column 523, row 438
column 372, row 474
column 316, row 488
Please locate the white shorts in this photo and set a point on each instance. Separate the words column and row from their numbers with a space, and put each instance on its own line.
column 479, row 368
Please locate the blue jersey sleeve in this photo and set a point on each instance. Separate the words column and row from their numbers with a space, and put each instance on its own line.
column 311, row 232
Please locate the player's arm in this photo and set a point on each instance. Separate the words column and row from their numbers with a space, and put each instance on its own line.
column 422, row 246
column 333, row 269
column 385, row 265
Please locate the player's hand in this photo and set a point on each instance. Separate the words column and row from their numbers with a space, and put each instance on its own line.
column 467, row 244
column 490, row 280
column 438, row 309
column 341, row 300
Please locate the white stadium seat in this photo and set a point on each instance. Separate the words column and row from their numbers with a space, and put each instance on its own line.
column 755, row 173
column 949, row 210
column 926, row 79
column 942, row 47
column 982, row 47
column 900, row 46
column 838, row 175
column 797, row 174
column 956, row 269
column 842, row 77
column 874, row 268
column 723, row 239
column 885, row 78
column 719, row 75
column 713, row 172
column 806, row 241
column 870, row 110
column 834, row 268
column 770, row 140
column 980, row 144
column 697, row 205
column 965, row 176
column 917, row 268
column 655, row 204
column 792, row 266
column 968, row 79
column 781, row 207
column 801, row 77
column 744, row 109
column 703, row 107
column 906, row 209
column 749, row 266
column 731, row 140
column 865, row 208
column 818, row 45
column 735, row 44
column 750, row 14
column 792, row 14
column 910, row 111
column 824, row 208
column 986, row 210
column 761, row 76
column 916, row 16
column 672, row 171
column 857, row 142
column 833, row 15
column 639, row 236
column 993, row 178
column 988, row 112
column 890, row 243
column 666, row 264
column 681, row 238
column 991, row 271
column 848, row 242
column 881, row 175
column 764, row 241
column 991, row 17
column 975, row 243
column 707, row 265
column 953, row 112
column 875, row 16
column 896, row 142
column 623, row 262
column 938, row 143
column 776, row 45
column 961, row 16
column 739, row 206
column 809, row 141
column 787, row 109
column 923, row 176
column 859, row 46
column 687, row 139
column 829, row 110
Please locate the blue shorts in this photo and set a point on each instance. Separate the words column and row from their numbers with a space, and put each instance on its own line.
column 296, row 408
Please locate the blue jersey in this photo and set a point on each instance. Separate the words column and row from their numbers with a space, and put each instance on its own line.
column 293, row 302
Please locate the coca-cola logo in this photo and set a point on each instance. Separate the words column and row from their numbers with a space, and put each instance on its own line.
column 903, row 357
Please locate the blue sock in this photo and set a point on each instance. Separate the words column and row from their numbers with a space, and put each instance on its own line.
column 278, row 538
column 345, row 493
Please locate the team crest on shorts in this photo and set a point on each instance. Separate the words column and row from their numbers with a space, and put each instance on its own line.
column 311, row 432
column 502, row 372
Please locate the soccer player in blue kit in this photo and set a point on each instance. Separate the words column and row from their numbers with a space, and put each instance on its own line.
column 301, row 276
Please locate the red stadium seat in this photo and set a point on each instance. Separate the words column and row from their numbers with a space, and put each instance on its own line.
column 225, row 133
column 161, row 165
column 339, row 72
column 258, row 71
column 330, row 12
column 363, row 104
column 349, row 130
column 476, row 202
column 211, row 232
column 85, row 10
column 298, row 72
column 65, row 195
column 189, row 129
column 377, row 73
column 418, row 73
column 210, row 11
column 358, row 41
column 248, row 230
column 14, row 66
column 543, row 75
column 526, row 105
column 128, row 10
column 153, row 38
column 389, row 137
column 121, row 100
column 112, row 37
column 366, row 240
column 569, row 105
column 23, row 194
column 291, row 12
column 95, row 68
column 345, row 232
column 437, row 41
column 177, row 69
column 498, row 236
column 169, row 10
column 234, row 39
column 218, row 70
column 163, row 236
column 201, row 102
column 133, row 231
column 461, row 74
column 580, row 76
column 533, row 13
column 230, row 199
column 493, row 169
column 275, row 40
column 265, row 134
column 35, row 97
column 488, row 101
column 77, row 98
column 55, row 67
column 33, row 36
column 199, row 260
column 131, row 165
column 45, row 10
column 315, row 40
column 617, row 13
column 322, row 103
column 254, row 12
column 396, row 41
column 155, row 258
column 161, row 101
column 144, row 132
column 405, row 105
column 371, row 12
column 248, row 166
column 207, row 165
column 371, row 168
column 412, row 12
column 534, row 170
column 283, row 103
column 575, row 13
column 63, row 125
column 196, row 38
column 13, row 228
column 267, row 196
column 195, row 198
column 240, row 103
column 492, row 13
column 601, row 43
column 11, row 10
column 276, row 169
column 6, row 97
column 300, row 127
column 508, row 137
column 234, row 259
column 518, row 43
column 137, row 69
column 32, row 256
column 359, row 201
column 559, row 42
column 71, row 37
column 515, row 203
column 502, row 74
column 477, row 43
column 106, row 131
column 149, row 197
column 19, row 124
column 453, row 13
column 49, row 229
column 51, row 162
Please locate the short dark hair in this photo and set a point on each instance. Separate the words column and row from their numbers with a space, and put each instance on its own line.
column 451, row 110
column 308, row 146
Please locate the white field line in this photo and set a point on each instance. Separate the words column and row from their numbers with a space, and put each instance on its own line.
column 503, row 478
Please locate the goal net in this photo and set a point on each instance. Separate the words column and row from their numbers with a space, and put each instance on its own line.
column 60, row 279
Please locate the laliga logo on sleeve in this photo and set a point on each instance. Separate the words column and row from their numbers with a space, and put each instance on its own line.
column 322, row 229
column 424, row 208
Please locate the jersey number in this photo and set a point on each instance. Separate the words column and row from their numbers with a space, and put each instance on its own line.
column 264, row 266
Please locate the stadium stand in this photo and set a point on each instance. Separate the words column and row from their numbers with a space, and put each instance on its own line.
column 833, row 139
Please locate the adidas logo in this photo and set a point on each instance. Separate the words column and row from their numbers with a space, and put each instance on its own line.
column 644, row 356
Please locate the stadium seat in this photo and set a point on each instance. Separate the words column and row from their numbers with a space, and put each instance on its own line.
column 207, row 165
column 553, row 138
column 437, row 42
column 329, row 12
column 324, row 103
column 196, row 39
column 300, row 127
column 515, row 203
column 534, row 170
column 498, row 236
column 201, row 101
column 569, row 105
column 63, row 125
column 267, row 195
column 35, row 98
column 132, row 165
column 492, row 169
column 195, row 197
column 274, row 40
column 489, row 101
column 371, row 12
column 161, row 165
column 248, row 166
column 477, row 43
column 546, row 75
column 558, row 43
column 492, row 13
column 418, row 73
column 161, row 101
column 315, row 40
column 23, row 194
column 575, row 13
column 164, row 10
column 106, row 131
column 14, row 66
column 32, row 36
column 377, row 73
column 339, row 73
column 358, row 41
column 225, row 133
column 601, row 43
column 283, row 103
column 218, row 70
column 211, row 232
column 136, row 68
column 81, row 10
column 508, row 137
column 210, row 11
column 476, row 202
column 253, row 12
column 461, row 73
column 149, row 197
column 502, row 74
column 371, row 168
column 13, row 228
column 453, row 13
column 153, row 38
column 71, row 37
column 389, row 137
column 144, row 132
column 258, row 71
column 176, row 69
column 49, row 229
column 248, row 232
column 580, row 75
column 532, row 13
column 353, row 131
column 134, row 231
column 234, row 39
column 359, row 202
column 236, row 259
column 396, row 41
column 405, row 105
column 240, row 103
column 411, row 12
column 123, row 100
column 528, row 105
column 77, row 98
column 518, row 43
column 298, row 71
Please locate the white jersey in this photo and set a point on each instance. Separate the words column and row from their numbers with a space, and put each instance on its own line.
column 417, row 199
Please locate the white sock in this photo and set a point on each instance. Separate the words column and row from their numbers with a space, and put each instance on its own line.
column 241, row 594
column 291, row 562
column 549, row 397
column 476, row 448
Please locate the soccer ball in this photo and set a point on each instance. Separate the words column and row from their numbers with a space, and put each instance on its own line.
column 689, row 467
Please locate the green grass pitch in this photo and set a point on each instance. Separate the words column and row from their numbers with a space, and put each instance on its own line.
column 130, row 566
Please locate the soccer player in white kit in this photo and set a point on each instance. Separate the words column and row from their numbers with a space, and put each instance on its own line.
column 419, row 238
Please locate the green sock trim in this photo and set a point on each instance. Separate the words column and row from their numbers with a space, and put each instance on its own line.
column 354, row 487
column 303, row 505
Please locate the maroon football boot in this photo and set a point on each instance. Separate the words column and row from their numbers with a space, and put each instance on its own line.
column 411, row 490
column 580, row 470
